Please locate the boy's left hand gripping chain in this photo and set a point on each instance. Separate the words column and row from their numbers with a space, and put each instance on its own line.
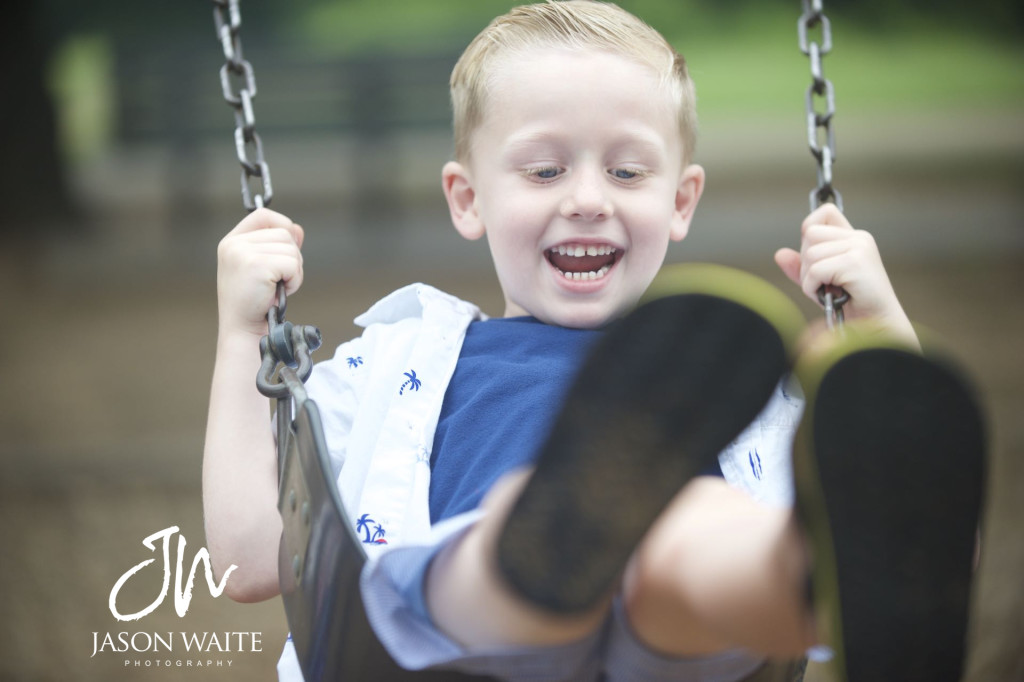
column 288, row 347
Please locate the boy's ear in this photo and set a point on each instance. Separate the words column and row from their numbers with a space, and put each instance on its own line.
column 691, row 185
column 461, row 197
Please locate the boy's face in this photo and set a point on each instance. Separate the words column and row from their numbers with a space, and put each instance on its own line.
column 578, row 182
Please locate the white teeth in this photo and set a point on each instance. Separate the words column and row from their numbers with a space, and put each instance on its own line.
column 579, row 250
column 586, row 276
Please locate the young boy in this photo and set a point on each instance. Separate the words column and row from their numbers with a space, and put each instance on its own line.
column 513, row 537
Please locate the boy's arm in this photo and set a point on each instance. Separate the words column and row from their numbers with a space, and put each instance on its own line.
column 833, row 252
column 243, row 526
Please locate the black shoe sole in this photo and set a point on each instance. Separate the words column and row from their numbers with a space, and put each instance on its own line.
column 890, row 472
column 661, row 393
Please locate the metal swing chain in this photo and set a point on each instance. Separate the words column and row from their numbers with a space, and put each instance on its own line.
column 821, row 136
column 227, row 19
column 286, row 349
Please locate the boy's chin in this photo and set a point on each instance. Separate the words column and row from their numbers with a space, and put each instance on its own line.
column 582, row 317
column 592, row 312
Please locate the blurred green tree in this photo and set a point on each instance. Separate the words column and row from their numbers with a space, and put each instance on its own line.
column 33, row 182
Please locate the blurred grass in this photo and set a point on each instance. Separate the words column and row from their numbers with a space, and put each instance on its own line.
column 756, row 63
column 742, row 54
column 742, row 58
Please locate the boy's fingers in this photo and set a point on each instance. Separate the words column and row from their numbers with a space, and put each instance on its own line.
column 816, row 251
column 270, row 235
column 826, row 214
column 282, row 267
column 788, row 261
column 293, row 281
column 264, row 218
column 242, row 248
column 819, row 233
column 260, row 219
column 833, row 270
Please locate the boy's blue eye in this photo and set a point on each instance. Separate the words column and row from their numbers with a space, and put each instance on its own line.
column 625, row 173
column 546, row 173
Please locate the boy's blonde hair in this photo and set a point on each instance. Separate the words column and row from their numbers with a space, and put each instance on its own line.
column 575, row 24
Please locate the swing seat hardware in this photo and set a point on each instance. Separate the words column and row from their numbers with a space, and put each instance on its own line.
column 285, row 345
column 288, row 346
column 294, row 506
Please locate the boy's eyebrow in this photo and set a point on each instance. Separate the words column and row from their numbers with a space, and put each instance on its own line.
column 529, row 139
column 635, row 139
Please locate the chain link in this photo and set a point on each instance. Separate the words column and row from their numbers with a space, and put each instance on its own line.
column 286, row 349
column 238, row 84
column 821, row 136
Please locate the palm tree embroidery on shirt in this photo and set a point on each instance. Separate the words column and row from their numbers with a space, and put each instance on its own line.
column 413, row 382
column 755, row 464
column 355, row 361
column 363, row 526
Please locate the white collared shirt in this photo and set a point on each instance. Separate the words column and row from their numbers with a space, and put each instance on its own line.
column 380, row 397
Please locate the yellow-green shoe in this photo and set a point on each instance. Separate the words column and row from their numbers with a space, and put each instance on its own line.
column 660, row 394
column 889, row 466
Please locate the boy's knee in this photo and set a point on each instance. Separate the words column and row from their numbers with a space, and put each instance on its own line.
column 651, row 581
column 656, row 609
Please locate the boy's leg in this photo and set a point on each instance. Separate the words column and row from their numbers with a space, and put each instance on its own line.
column 720, row 571
column 470, row 603
column 662, row 392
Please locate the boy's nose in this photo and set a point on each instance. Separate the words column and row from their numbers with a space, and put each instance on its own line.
column 586, row 198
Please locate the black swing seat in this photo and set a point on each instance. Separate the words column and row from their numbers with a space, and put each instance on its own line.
column 319, row 564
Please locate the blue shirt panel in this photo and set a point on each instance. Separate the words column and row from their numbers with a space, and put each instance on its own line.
column 508, row 386
column 511, row 378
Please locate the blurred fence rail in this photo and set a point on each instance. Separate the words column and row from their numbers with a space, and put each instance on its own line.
column 174, row 94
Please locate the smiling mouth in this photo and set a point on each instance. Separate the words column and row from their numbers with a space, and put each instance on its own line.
column 582, row 262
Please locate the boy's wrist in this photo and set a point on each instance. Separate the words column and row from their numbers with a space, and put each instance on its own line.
column 903, row 329
column 896, row 327
column 236, row 339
